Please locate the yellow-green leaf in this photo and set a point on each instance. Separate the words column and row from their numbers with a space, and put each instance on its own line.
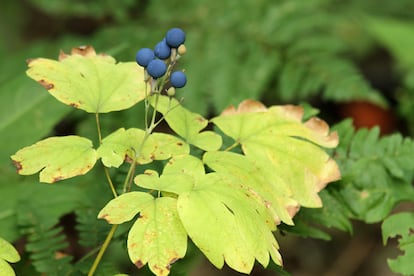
column 276, row 138
column 132, row 144
column 157, row 237
column 225, row 223
column 188, row 124
column 91, row 82
column 56, row 158
column 7, row 254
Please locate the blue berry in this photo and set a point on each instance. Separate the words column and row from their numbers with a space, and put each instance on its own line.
column 162, row 50
column 156, row 68
column 178, row 79
column 175, row 37
column 144, row 56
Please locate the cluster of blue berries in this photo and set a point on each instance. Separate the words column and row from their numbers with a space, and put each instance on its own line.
column 159, row 62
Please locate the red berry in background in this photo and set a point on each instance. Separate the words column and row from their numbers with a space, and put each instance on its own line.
column 368, row 115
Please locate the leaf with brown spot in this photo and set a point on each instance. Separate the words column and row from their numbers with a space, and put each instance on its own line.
column 157, row 237
column 276, row 139
column 56, row 158
column 126, row 145
column 91, row 82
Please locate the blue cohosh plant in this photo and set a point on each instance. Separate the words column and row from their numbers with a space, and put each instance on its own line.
column 228, row 199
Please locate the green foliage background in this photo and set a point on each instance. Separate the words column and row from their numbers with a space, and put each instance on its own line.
column 283, row 51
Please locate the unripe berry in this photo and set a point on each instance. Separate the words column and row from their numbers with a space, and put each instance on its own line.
column 178, row 79
column 144, row 56
column 162, row 50
column 182, row 50
column 156, row 68
column 175, row 37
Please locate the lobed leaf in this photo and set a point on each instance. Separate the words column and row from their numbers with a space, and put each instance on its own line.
column 157, row 236
column 56, row 158
column 133, row 145
column 401, row 224
column 8, row 252
column 276, row 139
column 91, row 82
column 222, row 218
column 188, row 124
column 224, row 223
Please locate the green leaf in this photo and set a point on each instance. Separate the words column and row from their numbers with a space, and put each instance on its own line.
column 8, row 252
column 377, row 172
column 94, row 83
column 188, row 124
column 276, row 138
column 224, row 223
column 179, row 175
column 220, row 217
column 56, row 158
column 132, row 144
column 125, row 207
column 157, row 236
column 276, row 194
column 401, row 224
column 6, row 269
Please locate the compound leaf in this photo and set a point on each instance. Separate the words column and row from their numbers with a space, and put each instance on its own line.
column 188, row 124
column 220, row 217
column 91, row 82
column 275, row 138
column 132, row 144
column 157, row 236
column 224, row 223
column 56, row 158
column 402, row 225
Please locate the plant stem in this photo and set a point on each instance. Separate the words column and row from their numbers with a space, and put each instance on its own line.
column 102, row 250
column 106, row 170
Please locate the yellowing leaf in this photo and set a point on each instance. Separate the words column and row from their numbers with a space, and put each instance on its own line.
column 91, row 82
column 129, row 144
column 225, row 223
column 157, row 236
column 56, row 158
column 222, row 217
column 8, row 252
column 188, row 124
column 124, row 207
column 277, row 139
column 259, row 181
column 179, row 175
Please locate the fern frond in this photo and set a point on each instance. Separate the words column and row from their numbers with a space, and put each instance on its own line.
column 337, row 79
column 92, row 232
column 45, row 245
column 377, row 173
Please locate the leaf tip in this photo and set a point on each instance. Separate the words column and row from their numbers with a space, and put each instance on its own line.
column 17, row 164
column 244, row 107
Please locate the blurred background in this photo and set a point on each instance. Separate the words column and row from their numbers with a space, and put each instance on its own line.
column 339, row 59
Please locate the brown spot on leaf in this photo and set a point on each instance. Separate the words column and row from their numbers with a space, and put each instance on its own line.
column 139, row 264
column 57, row 178
column 294, row 112
column 180, row 144
column 85, row 50
column 245, row 107
column 75, row 105
column 62, row 55
column 46, row 84
column 18, row 165
column 30, row 60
